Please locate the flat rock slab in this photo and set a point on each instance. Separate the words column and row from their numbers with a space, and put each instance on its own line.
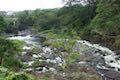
column 111, row 74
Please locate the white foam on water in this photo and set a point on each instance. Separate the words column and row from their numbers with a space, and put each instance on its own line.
column 109, row 58
column 21, row 38
column 27, row 48
column 35, row 56
column 47, row 49
column 27, row 39
column 97, row 46
column 29, row 63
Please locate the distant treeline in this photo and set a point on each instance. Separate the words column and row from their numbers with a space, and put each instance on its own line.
column 97, row 21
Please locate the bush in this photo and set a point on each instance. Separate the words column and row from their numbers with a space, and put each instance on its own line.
column 83, row 76
column 6, row 74
column 117, row 42
column 18, row 76
column 72, row 57
column 66, row 44
column 8, row 53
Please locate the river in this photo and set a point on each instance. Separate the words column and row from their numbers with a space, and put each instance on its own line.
column 106, row 63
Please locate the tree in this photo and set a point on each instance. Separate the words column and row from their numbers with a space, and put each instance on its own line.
column 107, row 18
column 24, row 20
column 2, row 24
column 76, row 17
column 8, row 51
column 45, row 19
column 72, row 2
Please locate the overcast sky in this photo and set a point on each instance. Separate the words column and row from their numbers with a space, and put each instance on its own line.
column 18, row 5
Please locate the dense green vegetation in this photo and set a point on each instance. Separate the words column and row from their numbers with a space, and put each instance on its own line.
column 70, row 20
column 104, row 26
column 6, row 74
column 97, row 21
column 2, row 24
column 9, row 50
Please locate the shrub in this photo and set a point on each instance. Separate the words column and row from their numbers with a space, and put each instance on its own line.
column 8, row 52
column 6, row 74
column 72, row 57
column 117, row 42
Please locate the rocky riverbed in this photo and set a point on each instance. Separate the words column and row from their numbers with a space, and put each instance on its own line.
column 93, row 59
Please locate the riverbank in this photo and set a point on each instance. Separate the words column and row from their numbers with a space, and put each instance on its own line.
column 53, row 60
column 105, row 61
column 112, row 42
column 61, row 57
column 101, row 59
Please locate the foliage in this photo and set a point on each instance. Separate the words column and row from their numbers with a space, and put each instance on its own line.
column 5, row 74
column 37, row 63
column 107, row 19
column 57, row 43
column 2, row 24
column 97, row 20
column 11, row 24
column 67, row 20
column 66, row 44
column 116, row 44
column 82, row 76
column 8, row 52
column 96, row 17
column 72, row 57
column 75, row 17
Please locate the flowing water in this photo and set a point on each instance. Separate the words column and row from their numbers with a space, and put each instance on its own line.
column 106, row 63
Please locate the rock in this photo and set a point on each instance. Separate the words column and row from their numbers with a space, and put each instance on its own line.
column 27, row 48
column 41, row 37
column 28, row 70
column 109, row 58
column 39, row 69
column 111, row 74
column 26, row 58
column 35, row 56
column 29, row 64
column 62, row 49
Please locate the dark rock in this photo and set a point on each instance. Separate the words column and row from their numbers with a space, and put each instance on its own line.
column 118, row 69
column 117, row 52
column 62, row 49
column 41, row 37
column 117, row 57
column 111, row 74
column 97, row 51
column 26, row 58
column 77, row 60
column 39, row 69
column 111, row 61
